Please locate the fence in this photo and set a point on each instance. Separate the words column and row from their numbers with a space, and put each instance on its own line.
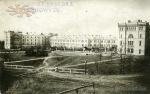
column 24, row 60
column 76, row 90
column 18, row 67
column 63, row 70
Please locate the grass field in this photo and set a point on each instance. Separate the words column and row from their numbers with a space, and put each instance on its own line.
column 54, row 85
column 44, row 85
column 102, row 68
column 104, row 84
column 73, row 60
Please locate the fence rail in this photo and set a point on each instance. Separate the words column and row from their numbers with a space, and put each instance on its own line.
column 24, row 60
column 78, row 88
column 63, row 70
column 18, row 67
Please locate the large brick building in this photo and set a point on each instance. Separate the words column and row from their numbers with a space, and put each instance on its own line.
column 13, row 39
column 80, row 41
column 17, row 40
column 134, row 37
column 31, row 39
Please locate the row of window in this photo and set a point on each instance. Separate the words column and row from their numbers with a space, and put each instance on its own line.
column 33, row 43
column 31, row 40
column 131, row 36
column 102, row 41
column 70, row 40
column 131, row 28
column 32, row 37
column 55, row 44
column 131, row 50
column 131, row 43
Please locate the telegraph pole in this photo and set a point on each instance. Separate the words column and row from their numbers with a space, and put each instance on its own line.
column 85, row 66
column 121, row 64
column 111, row 56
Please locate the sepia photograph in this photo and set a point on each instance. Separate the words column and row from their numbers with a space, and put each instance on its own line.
column 74, row 47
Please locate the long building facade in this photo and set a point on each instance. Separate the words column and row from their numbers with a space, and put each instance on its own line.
column 134, row 37
column 30, row 39
column 18, row 40
column 80, row 41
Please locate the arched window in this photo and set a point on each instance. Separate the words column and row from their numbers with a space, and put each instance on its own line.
column 130, row 36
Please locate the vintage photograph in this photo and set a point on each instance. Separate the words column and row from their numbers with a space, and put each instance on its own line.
column 74, row 46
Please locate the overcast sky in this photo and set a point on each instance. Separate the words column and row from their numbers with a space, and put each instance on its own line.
column 78, row 16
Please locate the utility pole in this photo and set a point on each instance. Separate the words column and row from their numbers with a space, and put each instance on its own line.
column 123, row 61
column 96, row 66
column 85, row 66
column 121, row 64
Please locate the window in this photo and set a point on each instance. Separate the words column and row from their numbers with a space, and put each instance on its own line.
column 120, row 50
column 132, row 50
column 139, row 51
column 121, row 28
column 120, row 42
column 130, row 36
column 128, row 50
column 130, row 43
column 141, row 28
column 140, row 35
column 140, row 43
column 121, row 36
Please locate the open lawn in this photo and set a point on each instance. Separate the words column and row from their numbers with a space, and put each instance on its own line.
column 101, row 67
column 73, row 60
column 53, row 85
column 44, row 85
column 54, row 82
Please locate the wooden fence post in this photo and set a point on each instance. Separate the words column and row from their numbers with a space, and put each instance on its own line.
column 93, row 88
column 56, row 69
column 77, row 91
column 70, row 71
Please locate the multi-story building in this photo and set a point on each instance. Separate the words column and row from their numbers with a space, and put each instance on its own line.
column 134, row 37
column 16, row 40
column 1, row 45
column 7, row 40
column 13, row 39
column 31, row 39
column 81, row 41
